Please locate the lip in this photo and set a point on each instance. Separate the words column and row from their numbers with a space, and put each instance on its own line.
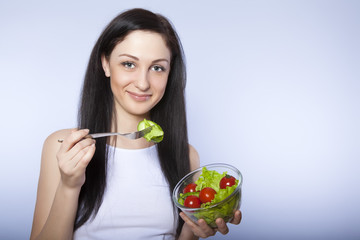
column 138, row 96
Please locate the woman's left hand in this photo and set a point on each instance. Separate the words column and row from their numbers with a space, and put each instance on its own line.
column 203, row 230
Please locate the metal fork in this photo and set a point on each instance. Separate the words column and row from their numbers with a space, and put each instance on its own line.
column 133, row 135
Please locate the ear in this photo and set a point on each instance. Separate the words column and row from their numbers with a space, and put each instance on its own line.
column 105, row 64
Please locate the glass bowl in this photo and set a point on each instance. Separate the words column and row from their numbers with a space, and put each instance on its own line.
column 224, row 209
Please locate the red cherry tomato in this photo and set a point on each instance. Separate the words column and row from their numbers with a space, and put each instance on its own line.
column 207, row 194
column 192, row 202
column 190, row 188
column 227, row 181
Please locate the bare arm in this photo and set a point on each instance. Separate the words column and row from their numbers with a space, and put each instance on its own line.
column 62, row 174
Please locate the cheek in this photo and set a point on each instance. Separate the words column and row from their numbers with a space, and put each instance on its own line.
column 115, row 85
column 118, row 80
column 160, row 85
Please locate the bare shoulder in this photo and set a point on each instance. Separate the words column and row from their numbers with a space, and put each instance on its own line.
column 194, row 158
column 60, row 134
column 51, row 147
column 51, row 142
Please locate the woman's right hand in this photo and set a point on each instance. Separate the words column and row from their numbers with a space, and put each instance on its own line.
column 74, row 156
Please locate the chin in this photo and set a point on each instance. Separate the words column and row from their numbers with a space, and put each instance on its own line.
column 140, row 112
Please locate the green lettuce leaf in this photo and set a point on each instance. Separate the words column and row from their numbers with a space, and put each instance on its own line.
column 155, row 135
column 209, row 178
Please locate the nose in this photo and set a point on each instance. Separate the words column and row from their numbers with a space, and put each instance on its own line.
column 142, row 80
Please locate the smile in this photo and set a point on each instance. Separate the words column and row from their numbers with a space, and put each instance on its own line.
column 139, row 97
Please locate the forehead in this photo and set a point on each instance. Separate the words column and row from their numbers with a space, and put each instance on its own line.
column 144, row 45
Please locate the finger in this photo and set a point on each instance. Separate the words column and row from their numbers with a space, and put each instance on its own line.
column 77, row 166
column 196, row 229
column 83, row 163
column 221, row 226
column 73, row 138
column 79, row 147
column 187, row 220
column 237, row 218
column 77, row 153
column 206, row 228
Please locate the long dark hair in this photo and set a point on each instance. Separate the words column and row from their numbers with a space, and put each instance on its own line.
column 96, row 111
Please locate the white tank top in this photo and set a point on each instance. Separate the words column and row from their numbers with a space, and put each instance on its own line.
column 136, row 203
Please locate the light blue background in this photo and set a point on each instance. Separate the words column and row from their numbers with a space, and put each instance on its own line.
column 273, row 88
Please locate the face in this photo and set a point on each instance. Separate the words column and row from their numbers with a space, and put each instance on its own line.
column 138, row 68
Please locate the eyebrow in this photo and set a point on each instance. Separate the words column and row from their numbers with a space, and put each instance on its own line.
column 137, row 59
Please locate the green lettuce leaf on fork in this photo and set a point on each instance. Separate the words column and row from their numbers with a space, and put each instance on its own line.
column 155, row 135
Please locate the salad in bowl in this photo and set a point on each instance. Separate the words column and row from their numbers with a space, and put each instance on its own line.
column 210, row 192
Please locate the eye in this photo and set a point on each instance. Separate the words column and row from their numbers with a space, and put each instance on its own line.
column 158, row 68
column 129, row 65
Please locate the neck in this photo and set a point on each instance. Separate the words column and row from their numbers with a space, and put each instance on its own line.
column 125, row 122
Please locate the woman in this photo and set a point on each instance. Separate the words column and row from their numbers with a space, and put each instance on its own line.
column 116, row 187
